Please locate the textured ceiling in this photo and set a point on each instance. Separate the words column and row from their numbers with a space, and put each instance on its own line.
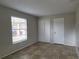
column 42, row 7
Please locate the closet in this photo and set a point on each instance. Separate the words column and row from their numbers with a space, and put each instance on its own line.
column 51, row 30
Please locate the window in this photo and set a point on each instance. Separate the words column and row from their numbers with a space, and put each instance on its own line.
column 19, row 29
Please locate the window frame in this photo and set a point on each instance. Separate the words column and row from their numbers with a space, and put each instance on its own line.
column 14, row 41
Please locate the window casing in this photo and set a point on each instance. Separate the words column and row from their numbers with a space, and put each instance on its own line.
column 19, row 29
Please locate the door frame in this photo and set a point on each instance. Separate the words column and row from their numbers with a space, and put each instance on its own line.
column 52, row 30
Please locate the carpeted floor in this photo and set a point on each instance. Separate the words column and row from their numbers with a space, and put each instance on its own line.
column 45, row 51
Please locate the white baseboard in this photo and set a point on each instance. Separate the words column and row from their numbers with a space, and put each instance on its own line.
column 58, row 43
column 17, row 50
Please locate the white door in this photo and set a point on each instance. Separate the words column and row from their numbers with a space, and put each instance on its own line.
column 41, row 30
column 44, row 30
column 58, row 30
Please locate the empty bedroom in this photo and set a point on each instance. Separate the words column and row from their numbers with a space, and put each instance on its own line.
column 39, row 29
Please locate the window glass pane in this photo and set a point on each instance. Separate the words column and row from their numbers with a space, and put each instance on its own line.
column 22, row 32
column 14, row 33
column 15, row 25
column 19, row 29
column 22, row 25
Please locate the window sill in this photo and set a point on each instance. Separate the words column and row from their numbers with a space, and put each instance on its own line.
column 19, row 41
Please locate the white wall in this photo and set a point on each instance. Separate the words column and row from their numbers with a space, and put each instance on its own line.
column 69, row 28
column 6, row 46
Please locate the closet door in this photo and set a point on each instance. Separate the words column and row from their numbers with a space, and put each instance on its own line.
column 44, row 29
column 47, row 30
column 41, row 30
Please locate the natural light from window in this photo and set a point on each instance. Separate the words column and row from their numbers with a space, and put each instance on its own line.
column 19, row 29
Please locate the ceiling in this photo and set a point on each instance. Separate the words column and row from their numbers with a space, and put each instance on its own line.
column 42, row 7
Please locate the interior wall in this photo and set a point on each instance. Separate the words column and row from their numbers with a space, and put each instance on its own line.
column 77, row 31
column 6, row 46
column 69, row 28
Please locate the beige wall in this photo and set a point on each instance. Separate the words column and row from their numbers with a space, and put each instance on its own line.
column 6, row 46
column 77, row 31
column 69, row 28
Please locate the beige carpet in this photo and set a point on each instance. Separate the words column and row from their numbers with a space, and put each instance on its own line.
column 45, row 51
